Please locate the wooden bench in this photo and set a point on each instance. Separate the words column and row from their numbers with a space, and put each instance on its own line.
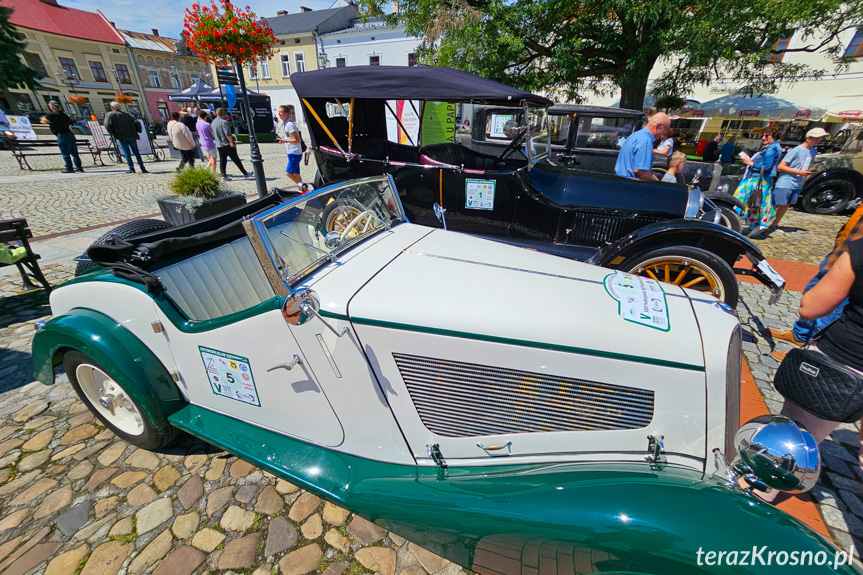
column 22, row 149
column 16, row 230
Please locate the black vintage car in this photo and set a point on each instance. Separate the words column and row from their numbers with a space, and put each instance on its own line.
column 664, row 231
column 589, row 138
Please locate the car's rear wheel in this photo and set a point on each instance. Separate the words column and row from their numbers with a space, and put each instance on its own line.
column 113, row 405
column 687, row 267
column 127, row 230
column 729, row 218
column 828, row 197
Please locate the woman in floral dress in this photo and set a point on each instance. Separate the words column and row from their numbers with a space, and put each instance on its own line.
column 761, row 172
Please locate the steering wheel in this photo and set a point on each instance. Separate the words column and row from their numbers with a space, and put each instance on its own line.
column 366, row 218
column 514, row 144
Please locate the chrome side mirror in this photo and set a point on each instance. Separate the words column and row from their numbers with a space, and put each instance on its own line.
column 439, row 214
column 773, row 451
column 332, row 240
column 299, row 307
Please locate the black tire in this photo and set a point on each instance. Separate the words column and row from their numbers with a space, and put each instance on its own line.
column 152, row 435
column 828, row 197
column 125, row 231
column 702, row 262
column 729, row 218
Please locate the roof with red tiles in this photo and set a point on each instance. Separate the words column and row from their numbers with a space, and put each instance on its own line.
column 48, row 16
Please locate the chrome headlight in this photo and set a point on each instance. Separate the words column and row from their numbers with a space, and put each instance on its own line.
column 694, row 203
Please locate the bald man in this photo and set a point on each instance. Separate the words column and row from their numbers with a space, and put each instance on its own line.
column 636, row 156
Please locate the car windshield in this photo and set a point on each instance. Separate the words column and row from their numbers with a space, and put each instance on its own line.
column 307, row 233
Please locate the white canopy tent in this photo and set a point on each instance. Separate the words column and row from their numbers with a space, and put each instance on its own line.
column 765, row 106
column 841, row 108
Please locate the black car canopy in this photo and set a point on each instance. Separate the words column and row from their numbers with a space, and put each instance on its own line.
column 408, row 83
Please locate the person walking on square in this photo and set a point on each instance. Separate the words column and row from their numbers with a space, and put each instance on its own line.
column 636, row 156
column 205, row 134
column 793, row 170
column 183, row 141
column 59, row 123
column 805, row 330
column 756, row 188
column 225, row 144
column 123, row 128
column 289, row 135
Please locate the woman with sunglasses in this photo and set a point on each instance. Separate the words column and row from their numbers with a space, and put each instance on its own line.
column 756, row 187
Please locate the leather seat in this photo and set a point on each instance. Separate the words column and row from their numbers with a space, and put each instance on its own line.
column 458, row 155
column 381, row 149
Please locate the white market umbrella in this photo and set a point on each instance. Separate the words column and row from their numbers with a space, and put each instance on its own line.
column 841, row 108
column 762, row 106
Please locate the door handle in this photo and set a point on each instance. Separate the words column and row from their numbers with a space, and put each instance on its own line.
column 288, row 366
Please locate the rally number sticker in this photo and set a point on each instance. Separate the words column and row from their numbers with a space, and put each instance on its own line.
column 230, row 375
column 640, row 300
column 479, row 194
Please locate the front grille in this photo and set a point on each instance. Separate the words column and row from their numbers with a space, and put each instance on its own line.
column 456, row 399
column 598, row 229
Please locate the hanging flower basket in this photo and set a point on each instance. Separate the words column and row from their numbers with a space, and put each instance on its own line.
column 225, row 34
column 77, row 100
column 123, row 99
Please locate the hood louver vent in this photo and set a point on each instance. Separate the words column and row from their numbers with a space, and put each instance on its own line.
column 456, row 399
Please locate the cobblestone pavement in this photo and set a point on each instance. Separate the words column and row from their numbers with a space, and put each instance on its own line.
column 54, row 202
column 75, row 499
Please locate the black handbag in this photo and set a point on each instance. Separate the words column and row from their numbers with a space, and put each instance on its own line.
column 821, row 385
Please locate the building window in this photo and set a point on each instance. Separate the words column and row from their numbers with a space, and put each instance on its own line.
column 35, row 62
column 134, row 108
column 374, row 60
column 776, row 55
column 155, row 81
column 412, row 59
column 338, row 41
column 286, row 65
column 341, row 62
column 175, row 79
column 98, row 72
column 264, row 67
column 164, row 113
column 373, row 38
column 855, row 48
column 300, row 62
column 253, row 70
column 123, row 74
column 69, row 68
column 296, row 40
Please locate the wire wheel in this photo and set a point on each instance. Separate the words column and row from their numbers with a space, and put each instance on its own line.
column 341, row 218
column 109, row 399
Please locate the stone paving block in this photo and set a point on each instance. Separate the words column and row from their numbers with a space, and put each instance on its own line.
column 80, row 471
column 154, row 515
column 165, row 477
column 286, row 487
column 122, row 527
column 304, row 506
column 218, row 498
column 140, row 495
column 92, row 448
column 378, row 559
column 335, row 515
column 185, row 525
column 301, row 561
column 241, row 468
column 143, row 459
column 111, row 454
column 54, row 502
column 107, row 558
column 34, row 460
column 269, row 501
column 30, row 411
column 104, row 506
column 195, row 463
column 337, row 540
column 68, row 452
column 27, row 546
column 79, row 433
column 39, row 441
column 81, row 418
column 237, row 519
column 36, row 556
column 430, row 562
column 364, row 531
column 67, row 563
column 74, row 519
column 207, row 539
column 8, row 547
column 281, row 535
column 217, row 469
column 182, row 561
column 13, row 519
column 7, row 430
column 313, row 527
column 240, row 553
column 94, row 531
column 128, row 479
column 99, row 477
column 246, row 493
column 339, row 568
column 191, row 492
column 156, row 550
column 9, row 445
column 33, row 492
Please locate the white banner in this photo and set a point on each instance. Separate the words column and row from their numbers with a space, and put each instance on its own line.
column 21, row 127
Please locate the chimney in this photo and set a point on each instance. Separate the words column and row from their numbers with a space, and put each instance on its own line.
column 155, row 31
column 282, row 13
column 394, row 5
column 305, row 9
column 50, row 2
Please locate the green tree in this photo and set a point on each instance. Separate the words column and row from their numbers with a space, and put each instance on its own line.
column 601, row 45
column 16, row 74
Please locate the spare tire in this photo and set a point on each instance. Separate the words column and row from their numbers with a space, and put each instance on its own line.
column 124, row 231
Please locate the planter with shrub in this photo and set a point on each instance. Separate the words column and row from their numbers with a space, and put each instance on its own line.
column 198, row 194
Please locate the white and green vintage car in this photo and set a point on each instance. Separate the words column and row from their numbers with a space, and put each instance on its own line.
column 505, row 408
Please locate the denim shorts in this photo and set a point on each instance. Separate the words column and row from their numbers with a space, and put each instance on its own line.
column 293, row 163
column 785, row 196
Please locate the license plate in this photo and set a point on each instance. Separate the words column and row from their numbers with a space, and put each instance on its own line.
column 771, row 273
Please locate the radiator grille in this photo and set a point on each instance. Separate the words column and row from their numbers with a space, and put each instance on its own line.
column 456, row 399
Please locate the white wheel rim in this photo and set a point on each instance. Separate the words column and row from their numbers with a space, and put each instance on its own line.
column 109, row 399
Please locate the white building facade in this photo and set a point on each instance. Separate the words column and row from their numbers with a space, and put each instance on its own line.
column 369, row 44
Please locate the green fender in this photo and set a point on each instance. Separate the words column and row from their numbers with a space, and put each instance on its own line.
column 574, row 519
column 123, row 355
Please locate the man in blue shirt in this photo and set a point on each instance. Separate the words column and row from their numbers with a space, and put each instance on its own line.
column 636, row 156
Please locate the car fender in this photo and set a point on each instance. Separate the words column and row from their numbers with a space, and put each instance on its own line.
column 724, row 199
column 725, row 243
column 842, row 173
column 115, row 348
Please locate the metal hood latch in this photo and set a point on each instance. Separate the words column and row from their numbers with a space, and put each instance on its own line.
column 655, row 450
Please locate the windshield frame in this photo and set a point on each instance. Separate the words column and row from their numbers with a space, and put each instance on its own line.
column 262, row 243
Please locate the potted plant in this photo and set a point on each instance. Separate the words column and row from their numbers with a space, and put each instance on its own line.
column 198, row 194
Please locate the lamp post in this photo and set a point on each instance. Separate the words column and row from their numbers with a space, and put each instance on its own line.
column 117, row 77
column 255, row 150
column 71, row 79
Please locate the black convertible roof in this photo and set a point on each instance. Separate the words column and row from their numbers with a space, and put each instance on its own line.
column 408, row 83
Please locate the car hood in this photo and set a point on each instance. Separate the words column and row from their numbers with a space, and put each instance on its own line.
column 458, row 285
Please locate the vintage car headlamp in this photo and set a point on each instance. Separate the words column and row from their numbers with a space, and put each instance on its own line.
column 694, row 202
column 722, row 189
